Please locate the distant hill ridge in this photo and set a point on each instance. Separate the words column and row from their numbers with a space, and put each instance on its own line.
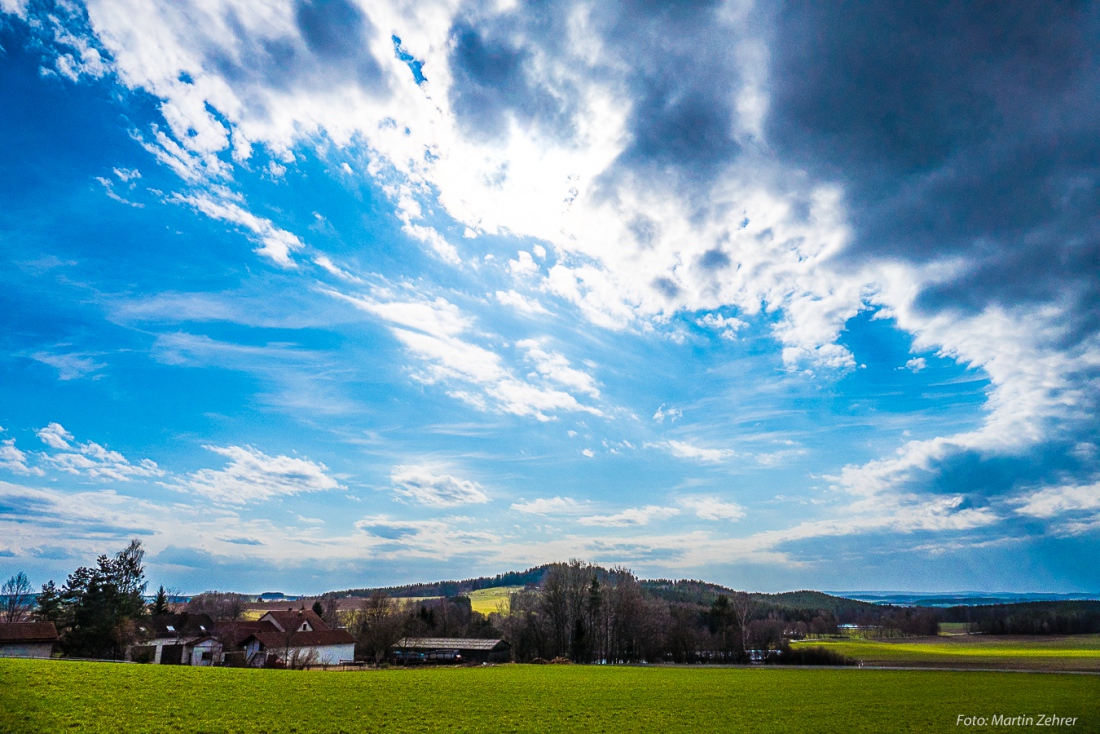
column 673, row 590
column 530, row 577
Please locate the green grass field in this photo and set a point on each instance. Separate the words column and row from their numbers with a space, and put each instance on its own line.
column 58, row 696
column 1071, row 652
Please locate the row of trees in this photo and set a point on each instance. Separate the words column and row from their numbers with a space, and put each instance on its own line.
column 587, row 614
column 590, row 614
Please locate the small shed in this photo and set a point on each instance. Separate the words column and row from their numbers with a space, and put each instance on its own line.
column 450, row 650
column 27, row 639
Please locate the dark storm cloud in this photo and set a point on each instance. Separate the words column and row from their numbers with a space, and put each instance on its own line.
column 677, row 66
column 334, row 44
column 958, row 130
column 492, row 82
column 332, row 28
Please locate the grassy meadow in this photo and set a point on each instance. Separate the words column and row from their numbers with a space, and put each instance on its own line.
column 53, row 696
column 1070, row 652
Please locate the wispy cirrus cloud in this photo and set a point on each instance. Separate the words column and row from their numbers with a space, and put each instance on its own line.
column 69, row 366
column 275, row 243
column 439, row 335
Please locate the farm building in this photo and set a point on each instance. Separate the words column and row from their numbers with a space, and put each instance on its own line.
column 415, row 650
column 295, row 637
column 27, row 639
column 177, row 639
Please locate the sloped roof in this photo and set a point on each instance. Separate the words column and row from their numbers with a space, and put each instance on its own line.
column 293, row 618
column 450, row 643
column 243, row 630
column 317, row 638
column 28, row 632
column 177, row 625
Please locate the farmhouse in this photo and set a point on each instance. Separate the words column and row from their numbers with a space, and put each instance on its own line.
column 177, row 639
column 295, row 638
column 450, row 650
column 27, row 639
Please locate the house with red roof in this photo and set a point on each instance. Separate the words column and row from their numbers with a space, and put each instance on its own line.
column 295, row 638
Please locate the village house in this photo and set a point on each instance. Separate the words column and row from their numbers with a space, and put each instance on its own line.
column 27, row 639
column 295, row 638
column 177, row 639
column 418, row 650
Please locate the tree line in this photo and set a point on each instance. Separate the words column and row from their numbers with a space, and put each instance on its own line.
column 576, row 611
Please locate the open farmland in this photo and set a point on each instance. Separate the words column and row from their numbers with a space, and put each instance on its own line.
column 1016, row 652
column 46, row 696
column 486, row 601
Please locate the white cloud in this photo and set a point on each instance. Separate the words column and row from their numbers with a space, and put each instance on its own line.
column 630, row 517
column 589, row 453
column 275, row 244
column 69, row 366
column 711, row 508
column 55, row 436
column 549, row 506
column 438, row 244
column 252, row 476
column 1055, row 501
column 523, row 265
column 14, row 460
column 90, row 459
column 521, row 302
column 554, row 366
column 916, row 364
column 15, row 7
column 726, row 327
column 429, row 539
column 673, row 414
column 422, row 484
column 435, row 331
column 327, row 265
column 684, row 450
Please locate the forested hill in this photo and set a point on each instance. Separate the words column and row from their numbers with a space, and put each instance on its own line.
column 690, row 591
column 815, row 600
column 686, row 591
column 530, row 577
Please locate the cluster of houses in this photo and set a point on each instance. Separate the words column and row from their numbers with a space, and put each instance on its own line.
column 294, row 638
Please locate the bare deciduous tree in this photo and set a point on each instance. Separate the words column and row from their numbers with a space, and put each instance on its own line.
column 16, row 592
column 743, row 606
column 377, row 626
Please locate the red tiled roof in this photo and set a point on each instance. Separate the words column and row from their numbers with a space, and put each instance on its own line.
column 317, row 638
column 293, row 618
column 28, row 632
column 243, row 630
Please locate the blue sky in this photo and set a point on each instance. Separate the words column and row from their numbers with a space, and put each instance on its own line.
column 323, row 294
